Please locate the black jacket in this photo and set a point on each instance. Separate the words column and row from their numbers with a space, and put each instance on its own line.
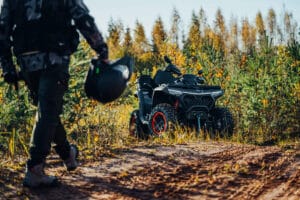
column 16, row 27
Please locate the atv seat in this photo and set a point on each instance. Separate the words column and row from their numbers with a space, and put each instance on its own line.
column 146, row 83
column 163, row 77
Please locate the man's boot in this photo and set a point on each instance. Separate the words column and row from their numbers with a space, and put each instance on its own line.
column 71, row 163
column 36, row 177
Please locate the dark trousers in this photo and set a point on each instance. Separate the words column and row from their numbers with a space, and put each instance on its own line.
column 47, row 87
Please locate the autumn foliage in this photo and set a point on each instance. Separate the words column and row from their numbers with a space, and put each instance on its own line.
column 256, row 61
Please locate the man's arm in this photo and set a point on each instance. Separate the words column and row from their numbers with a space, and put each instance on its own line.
column 9, row 71
column 86, row 25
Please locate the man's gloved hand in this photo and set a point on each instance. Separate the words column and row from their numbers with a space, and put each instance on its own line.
column 10, row 77
column 10, row 74
column 102, row 50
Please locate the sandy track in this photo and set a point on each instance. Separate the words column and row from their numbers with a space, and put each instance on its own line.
column 195, row 171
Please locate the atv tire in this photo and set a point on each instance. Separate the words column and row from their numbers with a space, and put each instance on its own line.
column 136, row 128
column 222, row 122
column 162, row 118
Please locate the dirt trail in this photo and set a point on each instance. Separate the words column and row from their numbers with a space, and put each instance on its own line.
column 195, row 171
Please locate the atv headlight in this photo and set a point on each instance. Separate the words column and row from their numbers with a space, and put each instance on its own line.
column 217, row 94
column 175, row 92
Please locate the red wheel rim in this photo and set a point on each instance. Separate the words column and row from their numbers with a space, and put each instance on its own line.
column 159, row 123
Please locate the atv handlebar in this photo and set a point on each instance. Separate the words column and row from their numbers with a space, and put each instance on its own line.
column 171, row 68
column 167, row 60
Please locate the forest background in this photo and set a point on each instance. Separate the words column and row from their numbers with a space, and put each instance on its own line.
column 256, row 61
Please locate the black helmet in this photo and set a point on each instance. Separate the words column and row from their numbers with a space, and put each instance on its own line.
column 106, row 82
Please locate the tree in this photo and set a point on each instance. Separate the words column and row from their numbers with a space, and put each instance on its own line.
column 260, row 27
column 287, row 24
column 248, row 36
column 193, row 42
column 220, row 32
column 290, row 27
column 158, row 35
column 233, row 46
column 272, row 23
column 141, row 48
column 202, row 19
column 174, row 32
column 220, row 26
column 115, row 30
column 140, row 42
column 127, row 43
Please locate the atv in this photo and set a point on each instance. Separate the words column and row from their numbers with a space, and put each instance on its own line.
column 172, row 98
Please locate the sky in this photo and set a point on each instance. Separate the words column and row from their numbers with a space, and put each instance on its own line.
column 147, row 11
